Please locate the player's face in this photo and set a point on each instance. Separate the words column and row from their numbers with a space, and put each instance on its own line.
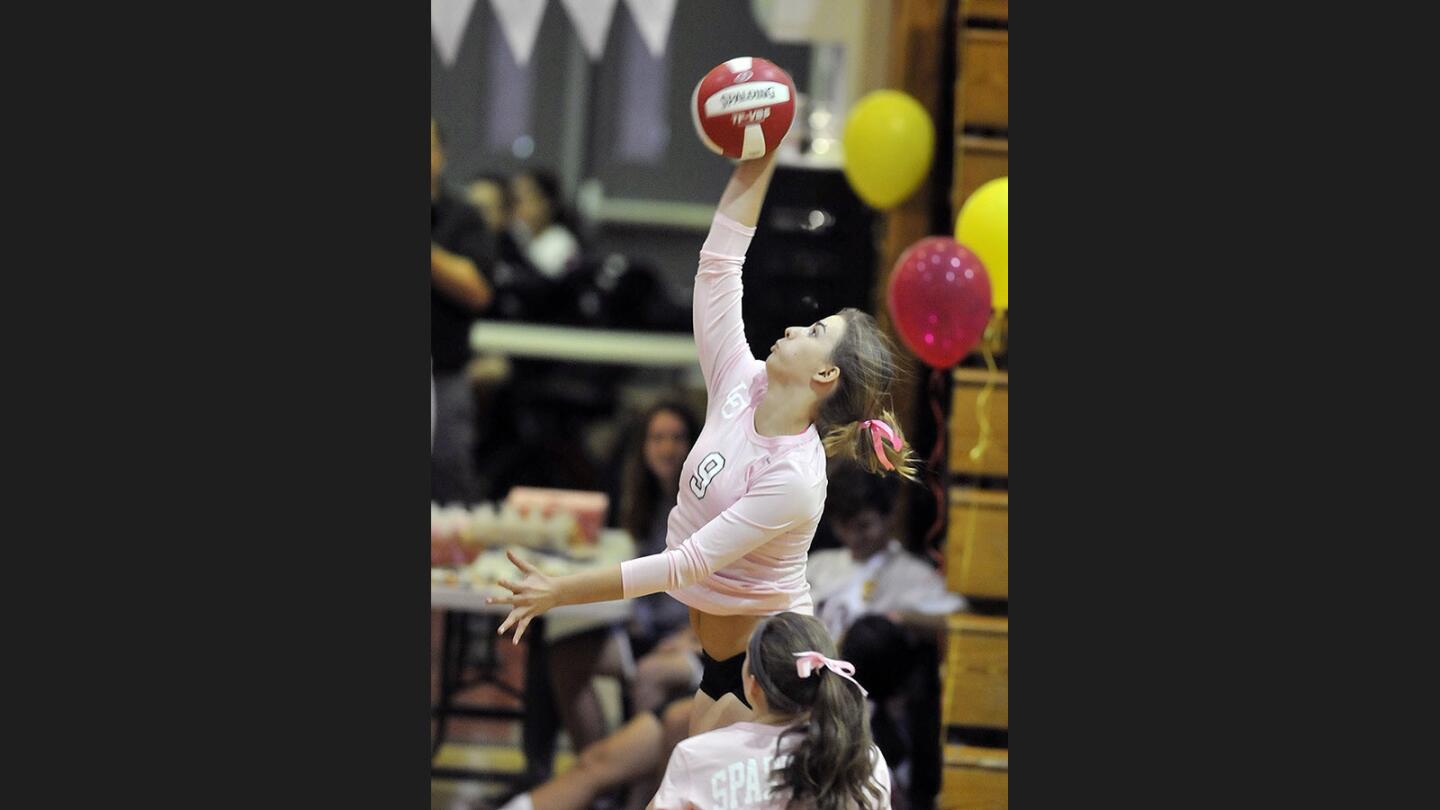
column 804, row 352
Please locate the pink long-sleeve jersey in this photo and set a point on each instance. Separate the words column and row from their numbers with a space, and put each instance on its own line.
column 748, row 504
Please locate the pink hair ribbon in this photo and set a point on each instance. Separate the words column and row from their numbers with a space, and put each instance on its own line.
column 810, row 662
column 877, row 428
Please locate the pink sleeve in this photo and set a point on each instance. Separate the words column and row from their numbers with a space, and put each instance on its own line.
column 776, row 502
column 719, row 329
column 675, row 784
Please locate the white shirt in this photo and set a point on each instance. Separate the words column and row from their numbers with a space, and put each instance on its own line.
column 552, row 251
column 891, row 579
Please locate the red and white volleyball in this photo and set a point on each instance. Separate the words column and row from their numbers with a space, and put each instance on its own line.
column 743, row 107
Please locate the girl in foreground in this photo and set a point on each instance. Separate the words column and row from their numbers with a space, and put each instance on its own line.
column 808, row 746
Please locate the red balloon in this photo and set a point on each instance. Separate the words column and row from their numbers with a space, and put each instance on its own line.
column 940, row 300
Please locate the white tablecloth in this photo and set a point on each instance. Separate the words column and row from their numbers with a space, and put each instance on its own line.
column 614, row 546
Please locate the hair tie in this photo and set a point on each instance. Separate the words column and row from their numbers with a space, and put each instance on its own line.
column 877, row 427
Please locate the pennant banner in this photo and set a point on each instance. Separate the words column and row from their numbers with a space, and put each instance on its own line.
column 520, row 23
column 448, row 19
column 653, row 18
column 591, row 19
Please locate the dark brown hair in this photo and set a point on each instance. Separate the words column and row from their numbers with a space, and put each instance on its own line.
column 867, row 366
column 833, row 766
column 851, row 491
column 641, row 490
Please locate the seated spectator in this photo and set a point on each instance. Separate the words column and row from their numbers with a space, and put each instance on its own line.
column 887, row 608
column 634, row 756
column 462, row 253
column 660, row 626
column 490, row 195
column 541, row 226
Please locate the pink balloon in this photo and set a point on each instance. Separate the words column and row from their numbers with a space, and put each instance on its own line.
column 940, row 300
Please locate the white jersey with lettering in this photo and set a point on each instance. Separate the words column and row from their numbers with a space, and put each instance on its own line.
column 733, row 768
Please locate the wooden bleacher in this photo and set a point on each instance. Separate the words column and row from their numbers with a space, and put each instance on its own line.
column 977, row 673
column 978, row 543
column 976, row 778
column 976, row 701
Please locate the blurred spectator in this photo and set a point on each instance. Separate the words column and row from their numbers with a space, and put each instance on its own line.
column 490, row 194
column 669, row 673
column 522, row 292
column 873, row 573
column 634, row 756
column 660, row 625
column 886, row 607
column 657, row 447
column 462, row 250
column 541, row 226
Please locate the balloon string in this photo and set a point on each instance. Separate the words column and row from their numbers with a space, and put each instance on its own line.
column 937, row 488
column 982, row 402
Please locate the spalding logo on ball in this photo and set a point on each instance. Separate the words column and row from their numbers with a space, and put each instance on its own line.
column 743, row 108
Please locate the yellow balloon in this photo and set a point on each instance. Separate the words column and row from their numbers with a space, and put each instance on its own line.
column 984, row 227
column 889, row 142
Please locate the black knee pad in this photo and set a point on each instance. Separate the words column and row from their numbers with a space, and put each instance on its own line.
column 723, row 676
